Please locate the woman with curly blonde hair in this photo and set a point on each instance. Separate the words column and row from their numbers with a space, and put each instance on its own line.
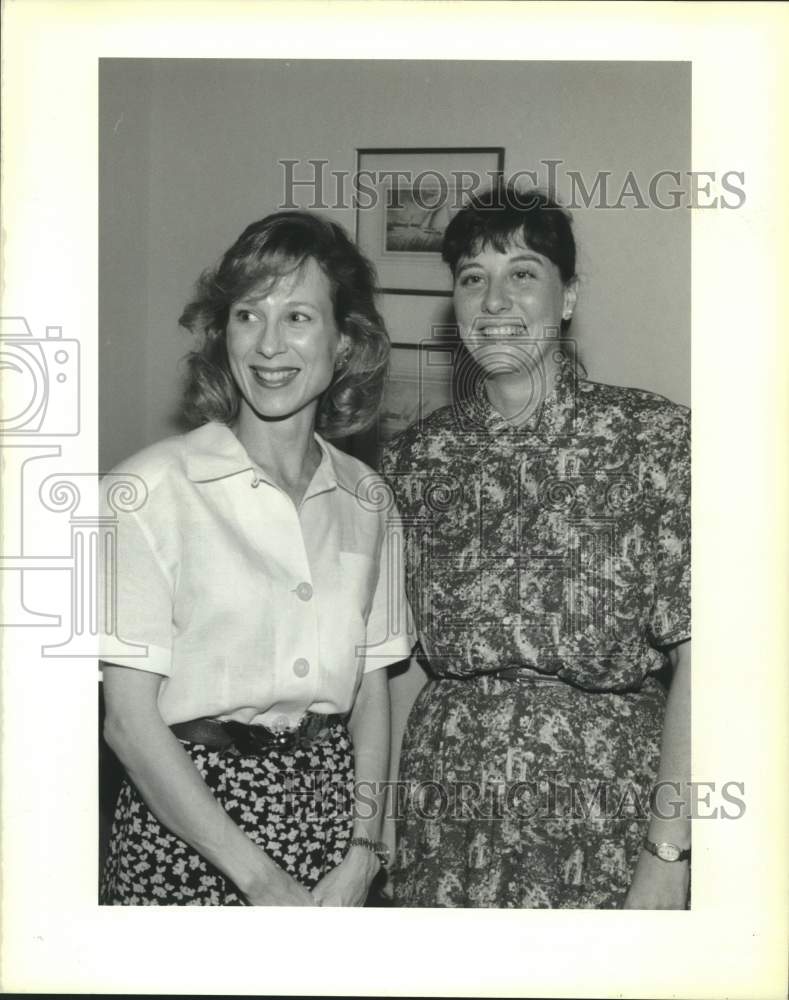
column 254, row 581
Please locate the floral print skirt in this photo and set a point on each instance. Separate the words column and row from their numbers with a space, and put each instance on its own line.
column 296, row 806
column 524, row 793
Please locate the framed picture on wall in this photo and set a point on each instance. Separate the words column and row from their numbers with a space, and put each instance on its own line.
column 413, row 319
column 406, row 199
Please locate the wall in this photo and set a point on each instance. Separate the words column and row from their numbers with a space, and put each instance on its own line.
column 189, row 152
column 189, row 157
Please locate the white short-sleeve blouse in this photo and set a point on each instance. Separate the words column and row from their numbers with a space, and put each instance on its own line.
column 251, row 608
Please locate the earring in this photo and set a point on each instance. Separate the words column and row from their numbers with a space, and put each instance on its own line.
column 341, row 361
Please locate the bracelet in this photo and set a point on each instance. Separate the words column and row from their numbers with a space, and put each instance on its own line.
column 378, row 847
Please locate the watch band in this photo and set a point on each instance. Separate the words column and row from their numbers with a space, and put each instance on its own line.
column 667, row 852
column 378, row 847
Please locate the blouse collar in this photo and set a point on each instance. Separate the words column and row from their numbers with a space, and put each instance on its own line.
column 214, row 452
column 554, row 416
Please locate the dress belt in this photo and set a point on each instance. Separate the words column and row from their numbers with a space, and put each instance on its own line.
column 513, row 674
column 255, row 741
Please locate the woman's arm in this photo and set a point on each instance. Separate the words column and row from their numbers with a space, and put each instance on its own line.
column 171, row 785
column 663, row 885
column 349, row 883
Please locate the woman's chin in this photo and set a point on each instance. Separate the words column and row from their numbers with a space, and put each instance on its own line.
column 274, row 408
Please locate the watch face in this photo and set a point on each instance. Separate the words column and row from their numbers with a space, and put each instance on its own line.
column 667, row 852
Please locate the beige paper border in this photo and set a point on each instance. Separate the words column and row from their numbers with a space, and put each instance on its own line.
column 733, row 943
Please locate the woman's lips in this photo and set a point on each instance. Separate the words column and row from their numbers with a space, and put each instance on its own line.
column 500, row 329
column 273, row 378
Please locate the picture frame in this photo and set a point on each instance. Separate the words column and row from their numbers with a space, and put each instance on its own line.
column 405, row 199
column 412, row 319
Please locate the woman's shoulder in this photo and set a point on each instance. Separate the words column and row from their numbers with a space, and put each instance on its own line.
column 648, row 409
column 164, row 459
column 420, row 437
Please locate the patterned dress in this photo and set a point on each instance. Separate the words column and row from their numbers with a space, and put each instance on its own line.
column 557, row 552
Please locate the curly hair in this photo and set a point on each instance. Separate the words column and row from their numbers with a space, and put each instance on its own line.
column 275, row 246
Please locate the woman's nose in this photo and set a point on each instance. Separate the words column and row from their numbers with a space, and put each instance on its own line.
column 496, row 299
column 270, row 340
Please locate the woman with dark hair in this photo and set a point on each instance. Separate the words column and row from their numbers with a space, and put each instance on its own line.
column 549, row 572
column 256, row 582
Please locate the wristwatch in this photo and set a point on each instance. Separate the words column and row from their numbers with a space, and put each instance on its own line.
column 667, row 852
column 378, row 847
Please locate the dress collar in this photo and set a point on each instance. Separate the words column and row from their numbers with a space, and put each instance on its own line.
column 214, row 452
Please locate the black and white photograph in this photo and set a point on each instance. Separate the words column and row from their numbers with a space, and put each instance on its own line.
column 519, row 726
column 362, row 498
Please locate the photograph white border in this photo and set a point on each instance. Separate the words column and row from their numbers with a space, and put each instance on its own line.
column 733, row 942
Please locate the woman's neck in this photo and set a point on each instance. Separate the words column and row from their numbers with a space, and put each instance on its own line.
column 517, row 396
column 286, row 450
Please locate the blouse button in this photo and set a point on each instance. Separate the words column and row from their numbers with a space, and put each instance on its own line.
column 506, row 621
column 304, row 591
column 510, row 561
column 301, row 667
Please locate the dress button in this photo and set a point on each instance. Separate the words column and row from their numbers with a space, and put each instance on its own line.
column 301, row 667
column 510, row 561
column 304, row 591
column 506, row 621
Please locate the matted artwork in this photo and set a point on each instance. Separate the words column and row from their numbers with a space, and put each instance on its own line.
column 406, row 199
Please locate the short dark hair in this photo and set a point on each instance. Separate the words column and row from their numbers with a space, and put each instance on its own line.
column 503, row 213
column 277, row 245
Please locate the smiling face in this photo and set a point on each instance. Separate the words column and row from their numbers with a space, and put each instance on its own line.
column 283, row 344
column 508, row 304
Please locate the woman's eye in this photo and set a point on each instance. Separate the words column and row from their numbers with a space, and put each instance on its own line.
column 299, row 317
column 525, row 274
column 469, row 280
column 243, row 315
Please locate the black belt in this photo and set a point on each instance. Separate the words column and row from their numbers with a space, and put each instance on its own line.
column 255, row 741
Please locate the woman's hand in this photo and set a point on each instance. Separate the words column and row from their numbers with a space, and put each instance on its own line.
column 279, row 889
column 658, row 885
column 663, row 885
column 349, row 883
